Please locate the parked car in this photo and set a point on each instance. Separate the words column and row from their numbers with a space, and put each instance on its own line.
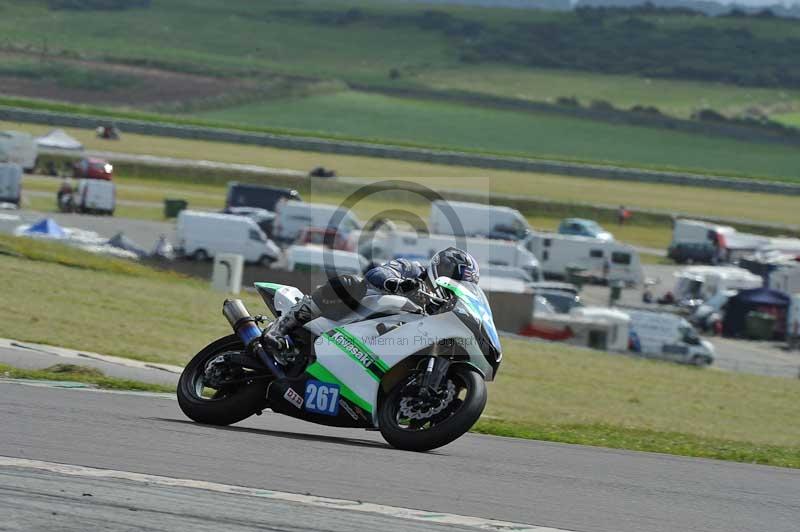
column 257, row 196
column 93, row 168
column 202, row 235
column 583, row 227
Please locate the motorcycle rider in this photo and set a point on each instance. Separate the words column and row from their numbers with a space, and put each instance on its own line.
column 341, row 295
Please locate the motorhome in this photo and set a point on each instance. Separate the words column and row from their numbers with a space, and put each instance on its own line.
column 320, row 259
column 202, row 235
column 476, row 219
column 294, row 216
column 669, row 337
column 601, row 259
column 703, row 282
column 19, row 148
column 10, row 183
column 241, row 195
column 596, row 327
column 387, row 245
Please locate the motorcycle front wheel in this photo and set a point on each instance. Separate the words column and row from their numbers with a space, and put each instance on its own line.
column 205, row 401
column 407, row 423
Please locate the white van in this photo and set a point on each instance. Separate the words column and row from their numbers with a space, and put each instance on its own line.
column 602, row 259
column 387, row 245
column 10, row 183
column 476, row 219
column 96, row 196
column 20, row 148
column 668, row 337
column 319, row 259
column 204, row 234
column 294, row 216
column 786, row 278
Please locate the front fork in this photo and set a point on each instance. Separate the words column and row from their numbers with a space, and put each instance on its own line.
column 433, row 375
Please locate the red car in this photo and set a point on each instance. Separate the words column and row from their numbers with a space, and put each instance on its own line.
column 91, row 168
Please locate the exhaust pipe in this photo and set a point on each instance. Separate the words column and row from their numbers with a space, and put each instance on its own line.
column 246, row 328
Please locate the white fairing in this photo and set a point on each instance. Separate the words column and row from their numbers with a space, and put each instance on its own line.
column 286, row 297
column 414, row 333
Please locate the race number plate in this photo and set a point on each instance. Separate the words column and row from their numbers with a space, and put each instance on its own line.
column 322, row 398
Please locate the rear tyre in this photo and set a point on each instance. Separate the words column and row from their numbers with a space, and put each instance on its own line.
column 442, row 428
column 200, row 255
column 204, row 403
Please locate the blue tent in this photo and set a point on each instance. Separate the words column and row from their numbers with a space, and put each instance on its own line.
column 46, row 227
column 749, row 300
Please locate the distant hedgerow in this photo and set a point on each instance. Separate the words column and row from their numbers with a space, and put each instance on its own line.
column 88, row 5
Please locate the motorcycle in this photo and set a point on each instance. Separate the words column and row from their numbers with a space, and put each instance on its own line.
column 415, row 369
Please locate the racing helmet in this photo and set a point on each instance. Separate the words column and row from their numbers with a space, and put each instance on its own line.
column 455, row 264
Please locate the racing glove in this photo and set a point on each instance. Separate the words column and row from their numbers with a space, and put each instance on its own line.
column 397, row 285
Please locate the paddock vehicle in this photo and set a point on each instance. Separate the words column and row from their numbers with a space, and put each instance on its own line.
column 414, row 369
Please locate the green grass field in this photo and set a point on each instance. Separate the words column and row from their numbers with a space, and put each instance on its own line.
column 543, row 135
column 672, row 97
column 544, row 391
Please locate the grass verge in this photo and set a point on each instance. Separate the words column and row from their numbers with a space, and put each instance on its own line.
column 676, row 443
column 82, row 374
column 543, row 391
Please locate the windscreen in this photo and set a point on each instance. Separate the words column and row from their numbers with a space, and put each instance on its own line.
column 473, row 300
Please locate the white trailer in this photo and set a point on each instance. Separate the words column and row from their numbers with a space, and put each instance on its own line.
column 202, row 235
column 669, row 337
column 387, row 245
column 96, row 196
column 793, row 324
column 703, row 282
column 10, row 183
column 19, row 148
column 602, row 259
column 294, row 216
column 786, row 278
column 476, row 219
column 313, row 258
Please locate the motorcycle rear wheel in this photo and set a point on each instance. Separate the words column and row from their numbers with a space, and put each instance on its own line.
column 204, row 404
column 442, row 428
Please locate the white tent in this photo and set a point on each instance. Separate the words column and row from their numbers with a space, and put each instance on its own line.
column 58, row 139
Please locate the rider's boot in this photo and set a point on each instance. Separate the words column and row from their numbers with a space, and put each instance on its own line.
column 277, row 337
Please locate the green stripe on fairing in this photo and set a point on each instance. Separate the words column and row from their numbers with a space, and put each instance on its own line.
column 272, row 286
column 352, row 356
column 460, row 293
column 322, row 373
column 361, row 345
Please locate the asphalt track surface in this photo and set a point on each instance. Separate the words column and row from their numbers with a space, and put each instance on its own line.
column 565, row 487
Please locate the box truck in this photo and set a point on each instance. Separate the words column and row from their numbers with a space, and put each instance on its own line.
column 202, row 235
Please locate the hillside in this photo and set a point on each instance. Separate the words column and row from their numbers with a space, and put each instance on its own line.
column 310, row 65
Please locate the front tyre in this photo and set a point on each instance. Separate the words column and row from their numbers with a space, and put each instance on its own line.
column 411, row 428
column 203, row 399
